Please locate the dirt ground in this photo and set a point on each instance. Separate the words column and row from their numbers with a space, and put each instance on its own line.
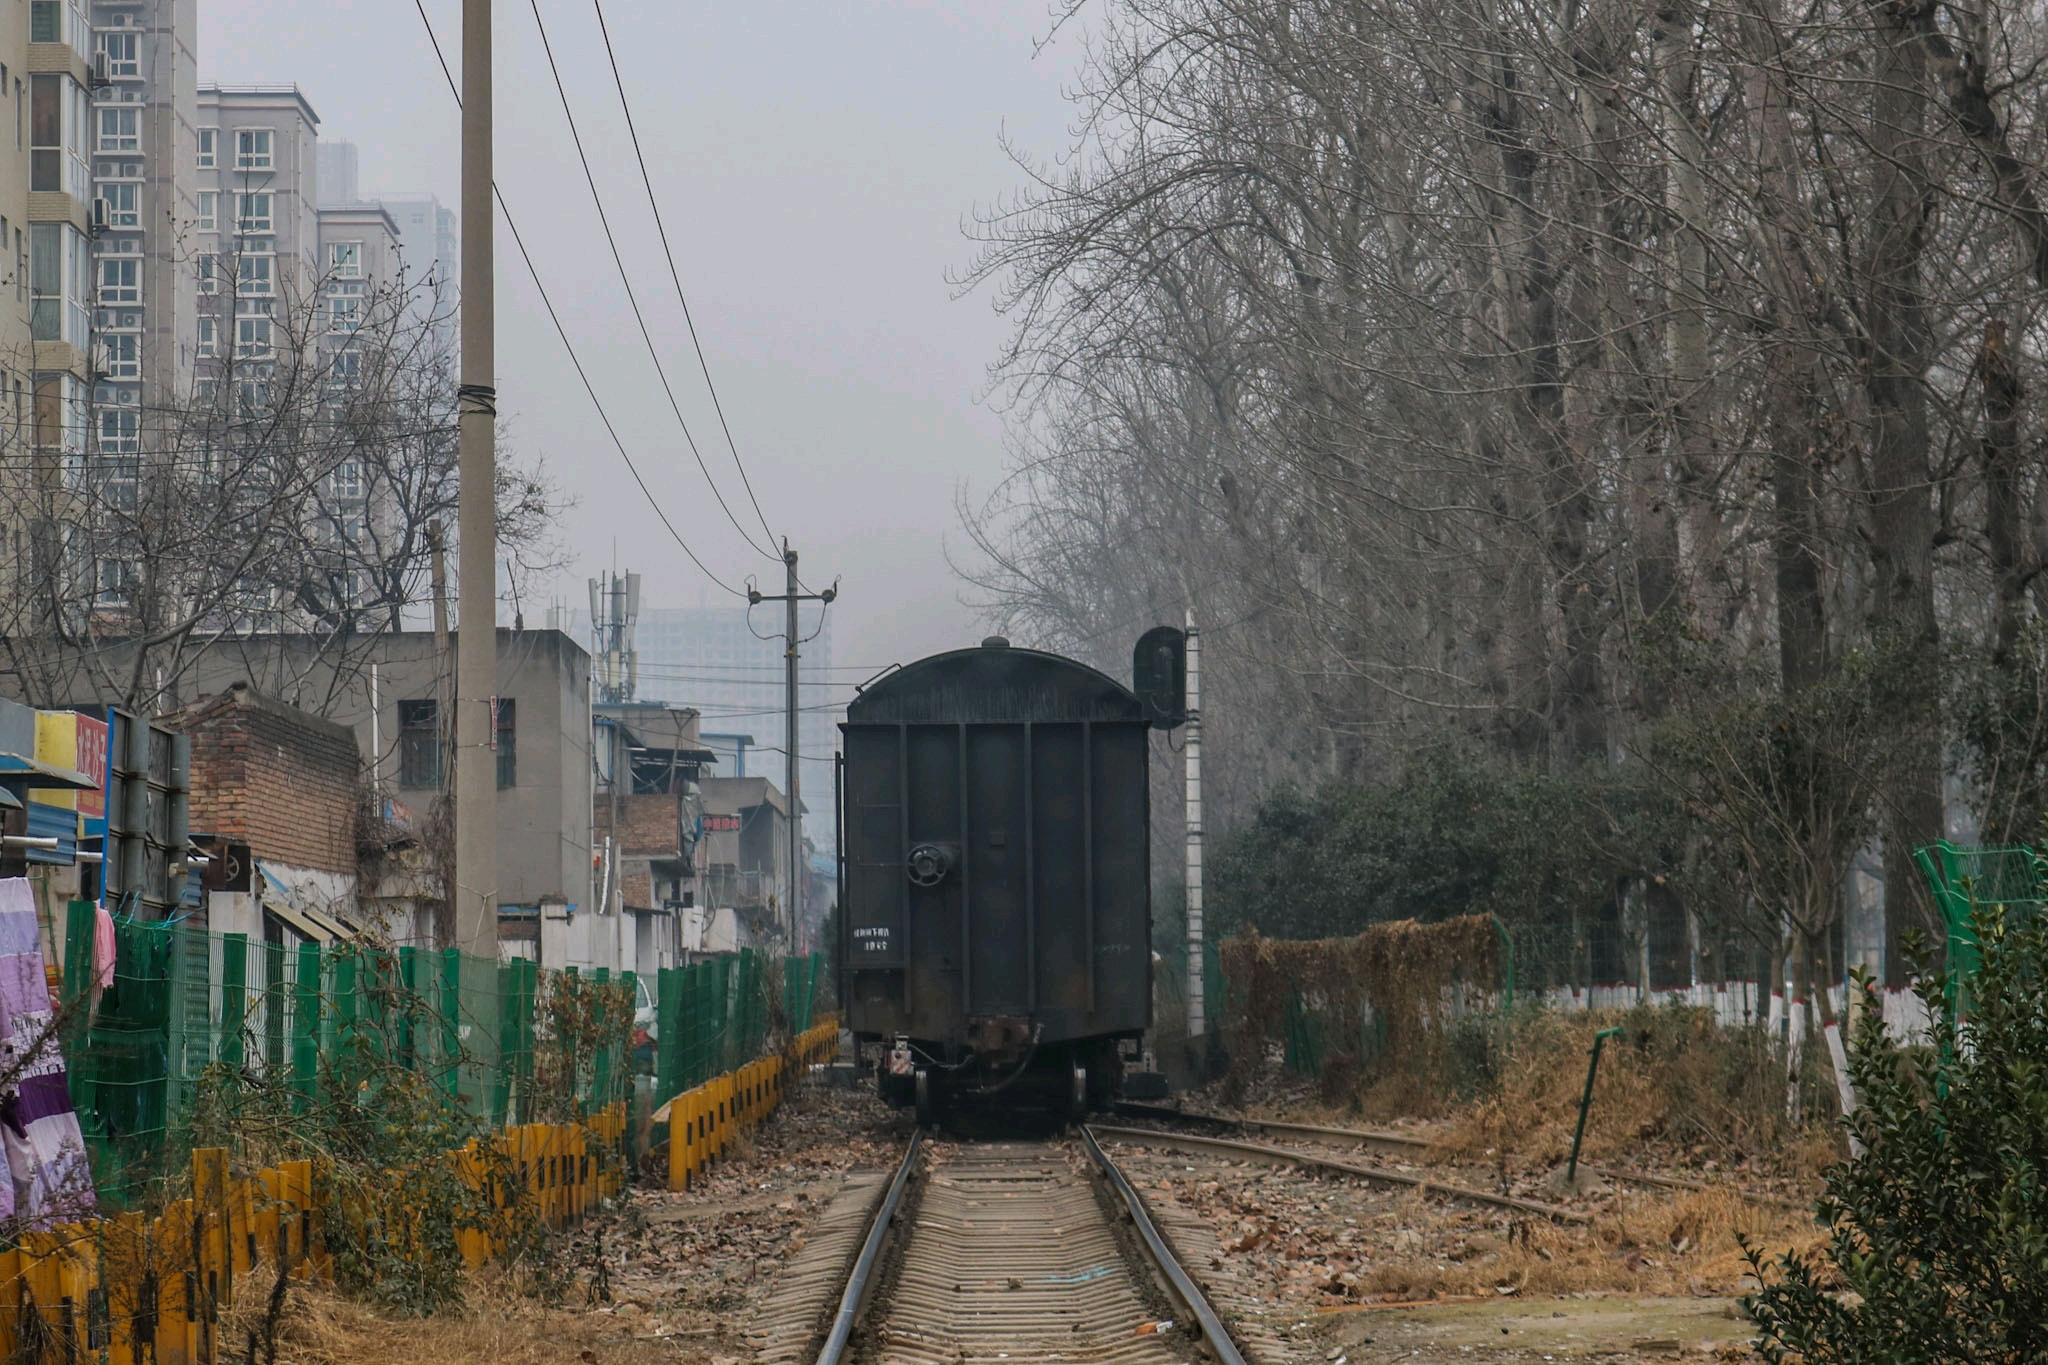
column 1367, row 1273
column 663, row 1278
column 1339, row 1269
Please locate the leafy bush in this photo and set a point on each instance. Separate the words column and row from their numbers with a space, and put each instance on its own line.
column 1455, row 832
column 1940, row 1227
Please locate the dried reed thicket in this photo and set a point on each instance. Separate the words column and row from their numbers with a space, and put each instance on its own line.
column 1355, row 1009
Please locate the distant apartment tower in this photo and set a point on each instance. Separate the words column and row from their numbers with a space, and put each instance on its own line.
column 144, row 230
column 428, row 245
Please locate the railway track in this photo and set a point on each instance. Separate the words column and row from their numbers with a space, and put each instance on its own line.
column 1403, row 1145
column 1007, row 1250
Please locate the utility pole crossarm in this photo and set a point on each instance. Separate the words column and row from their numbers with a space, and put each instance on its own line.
column 790, row 596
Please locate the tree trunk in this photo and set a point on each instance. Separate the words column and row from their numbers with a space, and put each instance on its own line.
column 1794, row 386
column 1686, row 334
column 1901, row 512
column 2003, row 532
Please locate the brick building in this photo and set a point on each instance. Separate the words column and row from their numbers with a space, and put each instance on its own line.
column 282, row 781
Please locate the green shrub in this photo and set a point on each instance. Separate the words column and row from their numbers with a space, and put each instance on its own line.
column 1940, row 1226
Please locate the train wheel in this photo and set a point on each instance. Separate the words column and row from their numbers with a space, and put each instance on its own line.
column 927, row 1110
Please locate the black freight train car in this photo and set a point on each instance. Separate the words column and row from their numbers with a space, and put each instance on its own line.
column 995, row 925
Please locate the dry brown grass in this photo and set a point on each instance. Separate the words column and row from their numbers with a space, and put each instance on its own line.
column 499, row 1325
column 1674, row 1086
column 1663, row 1245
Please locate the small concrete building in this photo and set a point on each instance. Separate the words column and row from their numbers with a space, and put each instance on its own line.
column 644, row 824
column 392, row 691
column 744, row 864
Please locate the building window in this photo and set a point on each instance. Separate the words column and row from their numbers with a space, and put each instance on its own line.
column 124, row 53
column 252, row 338
column 123, row 355
column 206, row 265
column 507, row 712
column 252, row 149
column 347, row 479
column 60, row 21
column 56, row 136
column 419, row 744
column 116, row 582
column 252, row 213
column 119, row 430
column 120, row 128
column 123, row 203
column 209, row 138
column 209, row 210
column 59, row 269
column 344, row 314
column 253, row 276
column 120, row 280
column 345, row 260
column 209, row 337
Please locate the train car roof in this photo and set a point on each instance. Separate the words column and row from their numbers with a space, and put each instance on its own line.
column 992, row 684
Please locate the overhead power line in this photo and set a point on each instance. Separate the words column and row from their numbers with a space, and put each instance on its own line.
column 632, row 298
column 675, row 276
column 563, row 332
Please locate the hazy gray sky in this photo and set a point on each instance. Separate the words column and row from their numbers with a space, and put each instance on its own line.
column 814, row 162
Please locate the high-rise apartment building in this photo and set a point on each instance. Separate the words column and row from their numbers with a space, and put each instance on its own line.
column 256, row 183
column 46, row 205
column 144, row 232
column 34, row 484
column 163, row 239
column 429, row 247
column 58, row 61
column 338, row 164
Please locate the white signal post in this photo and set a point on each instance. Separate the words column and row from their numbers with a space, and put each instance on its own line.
column 1197, row 1024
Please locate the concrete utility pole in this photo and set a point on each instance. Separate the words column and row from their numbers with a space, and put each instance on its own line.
column 790, row 597
column 1197, row 1023
column 475, row 889
column 792, row 889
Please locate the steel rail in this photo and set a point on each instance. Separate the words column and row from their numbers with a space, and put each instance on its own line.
column 862, row 1275
column 1183, row 1286
column 1369, row 1137
column 1296, row 1156
column 1364, row 1136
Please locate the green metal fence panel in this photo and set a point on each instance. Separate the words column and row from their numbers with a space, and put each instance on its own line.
column 668, row 1034
column 275, row 1010
column 234, row 998
column 306, row 1024
column 450, row 1053
column 1964, row 878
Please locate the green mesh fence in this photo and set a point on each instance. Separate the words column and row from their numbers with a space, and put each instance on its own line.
column 713, row 1016
column 505, row 1041
column 1964, row 878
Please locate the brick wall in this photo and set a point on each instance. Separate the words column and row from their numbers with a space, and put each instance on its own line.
column 647, row 824
column 277, row 778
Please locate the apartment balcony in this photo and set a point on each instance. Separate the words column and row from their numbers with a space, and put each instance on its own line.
column 60, row 40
